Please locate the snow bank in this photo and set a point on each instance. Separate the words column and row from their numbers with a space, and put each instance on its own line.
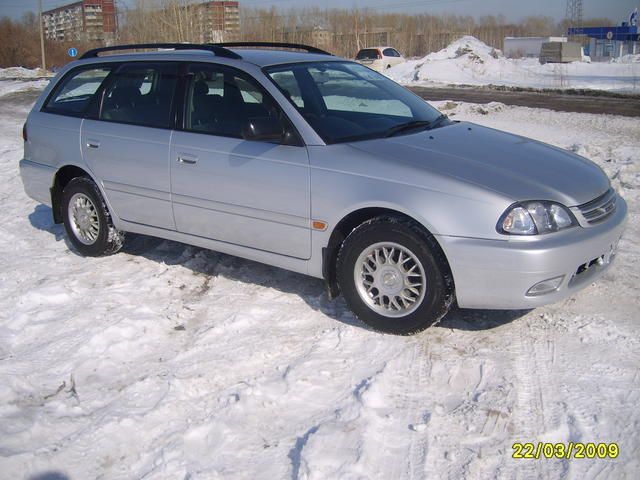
column 467, row 47
column 468, row 61
column 21, row 72
column 170, row 361
column 20, row 79
column 627, row 59
column 15, row 86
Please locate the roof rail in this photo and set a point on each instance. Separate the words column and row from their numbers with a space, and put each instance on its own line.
column 297, row 46
column 219, row 50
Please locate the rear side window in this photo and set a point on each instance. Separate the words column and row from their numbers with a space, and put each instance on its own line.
column 368, row 54
column 75, row 92
column 141, row 94
column 390, row 52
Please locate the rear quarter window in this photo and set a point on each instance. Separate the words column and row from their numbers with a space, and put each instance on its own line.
column 74, row 93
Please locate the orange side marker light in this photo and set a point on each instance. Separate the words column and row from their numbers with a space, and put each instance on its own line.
column 319, row 225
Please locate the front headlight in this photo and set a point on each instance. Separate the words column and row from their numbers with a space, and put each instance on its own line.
column 534, row 218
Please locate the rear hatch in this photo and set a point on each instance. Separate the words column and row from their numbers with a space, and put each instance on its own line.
column 367, row 56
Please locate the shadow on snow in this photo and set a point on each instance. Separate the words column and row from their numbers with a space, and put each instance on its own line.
column 210, row 264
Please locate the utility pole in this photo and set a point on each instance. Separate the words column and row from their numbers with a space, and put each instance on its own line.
column 44, row 63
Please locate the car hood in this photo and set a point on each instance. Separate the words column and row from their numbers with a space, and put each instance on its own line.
column 516, row 167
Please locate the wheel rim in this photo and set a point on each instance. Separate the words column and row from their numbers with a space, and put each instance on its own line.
column 83, row 217
column 390, row 279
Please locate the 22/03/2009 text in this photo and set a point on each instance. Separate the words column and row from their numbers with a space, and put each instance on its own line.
column 565, row 450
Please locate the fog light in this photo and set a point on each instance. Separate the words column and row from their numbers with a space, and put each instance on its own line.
column 545, row 286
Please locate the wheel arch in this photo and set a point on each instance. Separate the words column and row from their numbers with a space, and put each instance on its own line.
column 62, row 177
column 346, row 225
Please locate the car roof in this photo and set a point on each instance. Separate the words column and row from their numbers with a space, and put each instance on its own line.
column 256, row 56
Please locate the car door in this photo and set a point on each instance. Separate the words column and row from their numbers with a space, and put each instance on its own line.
column 398, row 57
column 250, row 193
column 127, row 144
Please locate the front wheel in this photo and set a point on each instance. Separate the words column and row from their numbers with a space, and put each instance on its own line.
column 394, row 276
column 87, row 219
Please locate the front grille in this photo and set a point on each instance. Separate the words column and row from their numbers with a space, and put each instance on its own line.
column 586, row 266
column 600, row 208
column 587, row 270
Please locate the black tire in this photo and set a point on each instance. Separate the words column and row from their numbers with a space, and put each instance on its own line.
column 108, row 240
column 439, row 291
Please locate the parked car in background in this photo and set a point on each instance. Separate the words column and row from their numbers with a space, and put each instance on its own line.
column 379, row 58
column 318, row 165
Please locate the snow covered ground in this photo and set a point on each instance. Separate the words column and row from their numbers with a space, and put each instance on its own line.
column 169, row 361
column 468, row 61
column 14, row 79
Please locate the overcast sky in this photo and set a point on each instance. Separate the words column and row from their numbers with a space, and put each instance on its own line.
column 617, row 10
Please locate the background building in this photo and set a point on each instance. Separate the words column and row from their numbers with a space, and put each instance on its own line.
column 217, row 21
column 317, row 36
column 516, row 47
column 606, row 43
column 87, row 20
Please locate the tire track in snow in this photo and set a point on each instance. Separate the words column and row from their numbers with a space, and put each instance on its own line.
column 406, row 378
column 618, row 385
column 538, row 412
column 416, row 408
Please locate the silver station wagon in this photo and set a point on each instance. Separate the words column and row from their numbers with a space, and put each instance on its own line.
column 287, row 155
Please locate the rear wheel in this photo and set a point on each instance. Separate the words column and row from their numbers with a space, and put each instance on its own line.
column 87, row 219
column 393, row 276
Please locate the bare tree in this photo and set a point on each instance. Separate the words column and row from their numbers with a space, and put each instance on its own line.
column 342, row 31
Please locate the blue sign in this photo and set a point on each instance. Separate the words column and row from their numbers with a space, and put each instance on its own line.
column 628, row 33
column 73, row 52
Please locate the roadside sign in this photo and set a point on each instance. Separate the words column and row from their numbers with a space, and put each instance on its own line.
column 73, row 52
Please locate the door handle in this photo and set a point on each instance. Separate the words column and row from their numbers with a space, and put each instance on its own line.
column 187, row 160
column 93, row 144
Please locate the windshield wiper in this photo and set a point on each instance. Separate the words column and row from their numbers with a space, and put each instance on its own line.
column 403, row 127
column 438, row 120
column 427, row 124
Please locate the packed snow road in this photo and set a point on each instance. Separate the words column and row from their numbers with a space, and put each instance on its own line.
column 169, row 361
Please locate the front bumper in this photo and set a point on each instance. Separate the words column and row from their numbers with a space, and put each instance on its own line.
column 497, row 274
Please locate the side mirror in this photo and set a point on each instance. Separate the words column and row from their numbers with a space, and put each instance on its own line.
column 265, row 129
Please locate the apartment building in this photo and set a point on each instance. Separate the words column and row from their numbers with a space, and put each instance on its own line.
column 217, row 21
column 86, row 20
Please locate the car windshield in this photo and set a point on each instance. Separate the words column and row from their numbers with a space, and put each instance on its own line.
column 345, row 101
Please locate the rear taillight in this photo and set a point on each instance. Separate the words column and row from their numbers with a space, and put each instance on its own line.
column 24, row 131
